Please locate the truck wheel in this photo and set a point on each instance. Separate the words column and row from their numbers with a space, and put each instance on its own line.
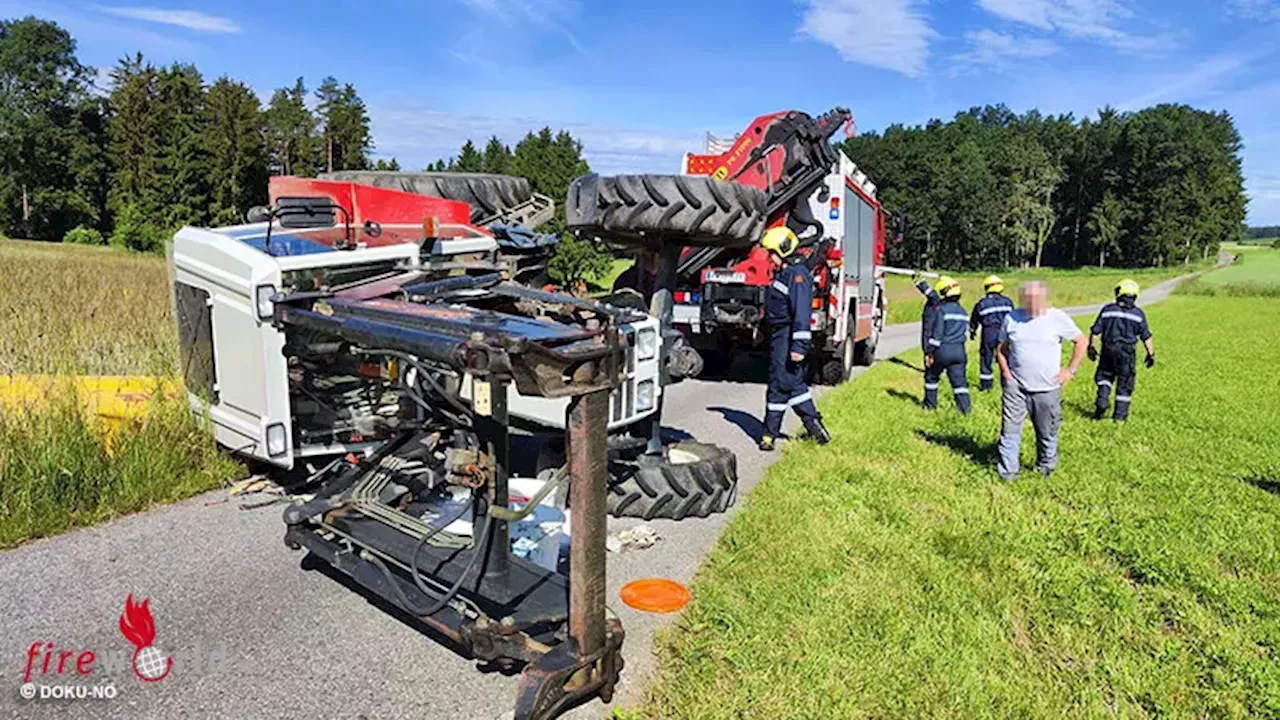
column 865, row 352
column 694, row 480
column 839, row 368
column 689, row 209
column 487, row 194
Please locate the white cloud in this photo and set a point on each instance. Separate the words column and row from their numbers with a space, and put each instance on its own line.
column 417, row 136
column 189, row 19
column 889, row 34
column 989, row 48
column 1096, row 20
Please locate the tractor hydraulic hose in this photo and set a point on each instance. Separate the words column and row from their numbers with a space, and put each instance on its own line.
column 478, row 544
column 450, row 592
column 417, row 365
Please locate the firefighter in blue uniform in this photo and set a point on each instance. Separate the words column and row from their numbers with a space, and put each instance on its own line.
column 989, row 314
column 787, row 307
column 1121, row 325
column 944, row 347
column 931, row 304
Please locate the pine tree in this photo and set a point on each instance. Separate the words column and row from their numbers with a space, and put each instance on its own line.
column 469, row 159
column 182, row 162
column 134, row 136
column 497, row 157
column 234, row 140
column 291, row 132
column 344, row 126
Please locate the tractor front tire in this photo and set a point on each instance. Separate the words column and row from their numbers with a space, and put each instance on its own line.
column 651, row 209
column 487, row 194
column 694, row 480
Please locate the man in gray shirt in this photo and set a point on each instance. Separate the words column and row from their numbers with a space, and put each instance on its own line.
column 1030, row 357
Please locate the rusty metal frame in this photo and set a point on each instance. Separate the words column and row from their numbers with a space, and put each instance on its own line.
column 508, row 611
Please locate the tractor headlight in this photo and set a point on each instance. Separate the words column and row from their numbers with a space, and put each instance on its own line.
column 263, row 297
column 277, row 442
column 644, row 396
column 646, row 343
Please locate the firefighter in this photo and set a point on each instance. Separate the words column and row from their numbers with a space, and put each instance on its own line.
column 931, row 304
column 989, row 314
column 787, row 307
column 944, row 343
column 1121, row 325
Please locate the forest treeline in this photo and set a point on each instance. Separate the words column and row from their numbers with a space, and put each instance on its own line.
column 157, row 148
column 151, row 148
column 992, row 188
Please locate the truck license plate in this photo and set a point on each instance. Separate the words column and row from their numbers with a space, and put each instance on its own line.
column 726, row 277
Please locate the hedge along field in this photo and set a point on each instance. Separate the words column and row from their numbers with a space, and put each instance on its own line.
column 70, row 310
column 1068, row 288
column 891, row 574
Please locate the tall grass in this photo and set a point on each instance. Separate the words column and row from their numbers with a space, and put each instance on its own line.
column 61, row 467
column 84, row 310
column 68, row 310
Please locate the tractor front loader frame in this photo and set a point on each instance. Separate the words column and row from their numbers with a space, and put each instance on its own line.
column 496, row 606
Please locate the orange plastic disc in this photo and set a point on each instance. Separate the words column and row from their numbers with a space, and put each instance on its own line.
column 658, row 595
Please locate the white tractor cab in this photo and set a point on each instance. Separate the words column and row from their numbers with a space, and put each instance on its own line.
column 281, row 394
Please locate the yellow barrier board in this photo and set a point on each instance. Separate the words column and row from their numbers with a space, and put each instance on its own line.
column 114, row 397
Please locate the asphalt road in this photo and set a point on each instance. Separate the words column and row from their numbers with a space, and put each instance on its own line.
column 255, row 636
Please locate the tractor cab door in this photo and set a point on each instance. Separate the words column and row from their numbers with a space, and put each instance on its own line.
column 231, row 356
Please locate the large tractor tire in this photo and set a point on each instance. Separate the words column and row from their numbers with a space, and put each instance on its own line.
column 650, row 209
column 487, row 194
column 694, row 480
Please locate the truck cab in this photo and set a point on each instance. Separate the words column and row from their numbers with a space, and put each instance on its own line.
column 280, row 395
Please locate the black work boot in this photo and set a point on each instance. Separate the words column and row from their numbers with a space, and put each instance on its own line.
column 766, row 443
column 817, row 431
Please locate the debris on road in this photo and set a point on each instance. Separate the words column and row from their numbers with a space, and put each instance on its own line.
column 639, row 537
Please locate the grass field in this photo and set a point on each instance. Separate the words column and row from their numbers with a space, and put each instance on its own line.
column 86, row 310
column 1067, row 288
column 892, row 575
column 1256, row 271
column 81, row 310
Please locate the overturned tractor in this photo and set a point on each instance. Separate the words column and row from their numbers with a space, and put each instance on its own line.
column 386, row 354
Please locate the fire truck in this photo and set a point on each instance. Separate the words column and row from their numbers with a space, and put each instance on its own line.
column 807, row 184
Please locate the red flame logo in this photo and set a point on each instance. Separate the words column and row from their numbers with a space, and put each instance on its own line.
column 139, row 628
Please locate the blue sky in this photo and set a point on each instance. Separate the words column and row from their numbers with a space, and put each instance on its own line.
column 641, row 81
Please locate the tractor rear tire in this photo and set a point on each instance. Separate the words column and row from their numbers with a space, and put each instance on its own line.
column 695, row 480
column 650, row 209
column 487, row 194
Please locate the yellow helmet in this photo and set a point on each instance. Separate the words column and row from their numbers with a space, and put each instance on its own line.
column 1127, row 287
column 780, row 240
column 993, row 283
column 946, row 286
